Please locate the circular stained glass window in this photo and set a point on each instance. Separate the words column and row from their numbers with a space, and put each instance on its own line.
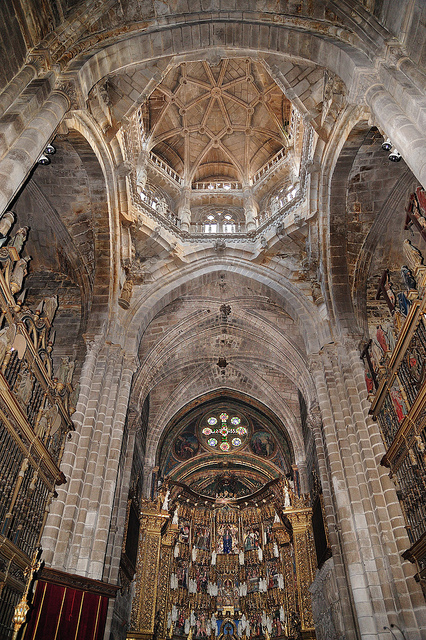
column 224, row 431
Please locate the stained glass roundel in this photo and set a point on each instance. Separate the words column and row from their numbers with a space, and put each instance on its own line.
column 223, row 431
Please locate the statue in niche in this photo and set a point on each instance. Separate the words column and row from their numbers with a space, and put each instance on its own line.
column 126, row 294
column 227, row 541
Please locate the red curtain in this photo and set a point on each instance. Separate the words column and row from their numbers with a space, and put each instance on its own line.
column 62, row 613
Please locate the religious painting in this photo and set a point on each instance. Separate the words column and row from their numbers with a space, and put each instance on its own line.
column 202, row 538
column 186, row 445
column 179, row 628
column 184, row 530
column 277, row 625
column 182, row 573
column 252, row 573
column 415, row 362
column 398, row 402
column 252, row 539
column 228, row 594
column 272, row 573
column 201, row 578
column 262, row 444
column 268, row 533
column 202, row 625
column 227, row 538
column 256, row 625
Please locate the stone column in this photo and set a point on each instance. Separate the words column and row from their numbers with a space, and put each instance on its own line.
column 185, row 210
column 368, row 519
column 141, row 170
column 250, row 209
column 347, row 621
column 408, row 138
column 78, row 527
column 147, row 570
column 22, row 156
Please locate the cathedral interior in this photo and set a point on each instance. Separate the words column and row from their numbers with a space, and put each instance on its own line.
column 213, row 320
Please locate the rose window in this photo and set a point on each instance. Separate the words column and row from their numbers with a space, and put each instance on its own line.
column 224, row 431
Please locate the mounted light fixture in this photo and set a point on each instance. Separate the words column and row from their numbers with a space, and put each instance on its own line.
column 50, row 150
column 387, row 145
column 394, row 155
column 43, row 159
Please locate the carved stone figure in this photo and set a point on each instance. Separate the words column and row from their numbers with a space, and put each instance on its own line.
column 19, row 239
column 412, row 255
column 126, row 294
column 66, row 370
column 6, row 221
column 162, row 207
column 18, row 274
column 7, row 334
column 408, row 278
column 25, row 388
column 50, row 306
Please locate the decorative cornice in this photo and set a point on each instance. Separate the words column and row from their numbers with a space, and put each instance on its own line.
column 72, row 581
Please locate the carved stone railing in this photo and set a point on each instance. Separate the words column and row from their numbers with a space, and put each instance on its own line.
column 164, row 167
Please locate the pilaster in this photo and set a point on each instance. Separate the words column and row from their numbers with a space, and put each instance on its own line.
column 148, row 564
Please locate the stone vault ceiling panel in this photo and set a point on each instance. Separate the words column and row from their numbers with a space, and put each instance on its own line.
column 212, row 122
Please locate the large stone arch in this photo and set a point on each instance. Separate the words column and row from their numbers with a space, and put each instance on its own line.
column 314, row 329
column 288, row 358
column 202, row 383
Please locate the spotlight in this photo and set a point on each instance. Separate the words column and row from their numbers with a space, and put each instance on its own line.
column 50, row 150
column 43, row 159
column 387, row 145
column 394, row 156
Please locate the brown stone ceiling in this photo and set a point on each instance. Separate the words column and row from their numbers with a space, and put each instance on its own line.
column 217, row 122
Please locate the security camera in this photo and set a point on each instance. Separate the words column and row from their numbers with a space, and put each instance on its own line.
column 43, row 159
column 387, row 145
column 50, row 150
column 394, row 156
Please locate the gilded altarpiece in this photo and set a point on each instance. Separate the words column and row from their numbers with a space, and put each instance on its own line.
column 208, row 567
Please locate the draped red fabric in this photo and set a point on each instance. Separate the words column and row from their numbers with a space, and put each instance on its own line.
column 62, row 613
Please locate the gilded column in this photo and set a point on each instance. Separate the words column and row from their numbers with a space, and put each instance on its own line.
column 303, row 556
column 147, row 569
column 166, row 560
